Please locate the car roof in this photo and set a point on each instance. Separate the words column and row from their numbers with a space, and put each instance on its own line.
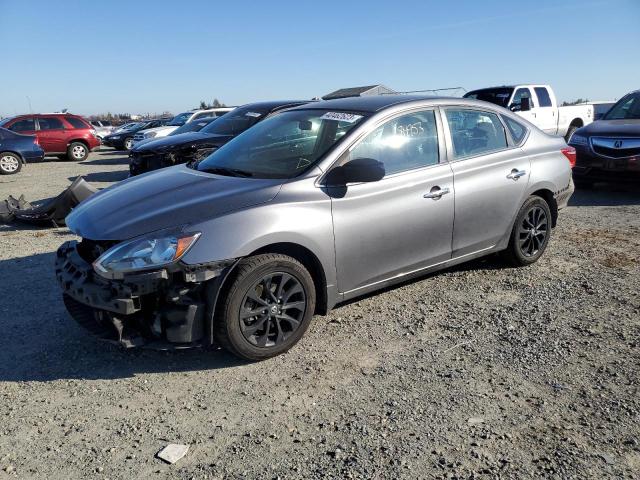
column 273, row 104
column 376, row 103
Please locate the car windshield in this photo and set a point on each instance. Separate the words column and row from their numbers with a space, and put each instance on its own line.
column 180, row 119
column 497, row 96
column 4, row 121
column 194, row 126
column 236, row 121
column 627, row 108
column 282, row 146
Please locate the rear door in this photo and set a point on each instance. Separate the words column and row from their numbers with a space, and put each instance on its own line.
column 404, row 222
column 546, row 111
column 490, row 176
column 52, row 134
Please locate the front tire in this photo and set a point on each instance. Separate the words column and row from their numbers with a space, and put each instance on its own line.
column 128, row 143
column 530, row 234
column 266, row 308
column 10, row 163
column 77, row 151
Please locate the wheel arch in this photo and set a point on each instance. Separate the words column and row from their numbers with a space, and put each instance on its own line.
column 310, row 261
column 547, row 196
column 79, row 140
column 576, row 122
column 14, row 152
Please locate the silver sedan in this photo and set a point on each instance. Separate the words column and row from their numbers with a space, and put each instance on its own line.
column 309, row 208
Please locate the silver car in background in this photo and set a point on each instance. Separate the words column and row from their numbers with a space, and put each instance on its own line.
column 317, row 205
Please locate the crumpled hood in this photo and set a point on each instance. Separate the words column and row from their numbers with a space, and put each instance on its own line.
column 166, row 198
column 623, row 128
column 165, row 144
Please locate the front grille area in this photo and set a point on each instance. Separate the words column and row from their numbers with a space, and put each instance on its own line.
column 90, row 250
column 616, row 147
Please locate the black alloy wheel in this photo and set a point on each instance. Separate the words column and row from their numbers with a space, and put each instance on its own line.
column 533, row 231
column 272, row 310
column 265, row 306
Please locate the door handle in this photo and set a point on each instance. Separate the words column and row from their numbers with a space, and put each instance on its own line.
column 516, row 174
column 436, row 192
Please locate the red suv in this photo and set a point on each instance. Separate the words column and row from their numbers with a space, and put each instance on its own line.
column 59, row 134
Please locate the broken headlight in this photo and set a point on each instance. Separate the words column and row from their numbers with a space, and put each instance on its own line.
column 145, row 253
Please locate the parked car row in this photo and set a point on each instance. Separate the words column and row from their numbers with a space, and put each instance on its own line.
column 196, row 145
column 295, row 207
column 62, row 134
column 609, row 149
column 538, row 104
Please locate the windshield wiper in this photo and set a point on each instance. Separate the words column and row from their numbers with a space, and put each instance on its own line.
column 231, row 172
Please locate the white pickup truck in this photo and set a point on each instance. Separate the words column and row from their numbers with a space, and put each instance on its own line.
column 537, row 103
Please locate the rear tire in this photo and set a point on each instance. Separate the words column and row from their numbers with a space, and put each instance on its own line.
column 10, row 163
column 266, row 308
column 570, row 132
column 77, row 152
column 530, row 233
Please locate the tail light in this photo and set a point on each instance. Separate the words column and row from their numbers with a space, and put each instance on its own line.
column 570, row 153
column 35, row 140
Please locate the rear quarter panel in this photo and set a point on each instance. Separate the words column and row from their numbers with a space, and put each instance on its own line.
column 550, row 169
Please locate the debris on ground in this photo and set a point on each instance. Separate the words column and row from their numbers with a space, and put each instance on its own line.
column 173, row 452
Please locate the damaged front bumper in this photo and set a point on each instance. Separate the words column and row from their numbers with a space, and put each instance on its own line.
column 166, row 308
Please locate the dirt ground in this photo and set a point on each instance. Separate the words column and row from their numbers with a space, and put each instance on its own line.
column 482, row 371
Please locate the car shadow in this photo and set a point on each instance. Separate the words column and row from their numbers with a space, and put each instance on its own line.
column 606, row 195
column 40, row 342
column 120, row 160
column 489, row 262
column 113, row 176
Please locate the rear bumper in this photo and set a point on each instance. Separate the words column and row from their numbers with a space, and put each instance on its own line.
column 162, row 308
column 33, row 156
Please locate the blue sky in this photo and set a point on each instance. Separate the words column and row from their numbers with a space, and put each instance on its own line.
column 150, row 56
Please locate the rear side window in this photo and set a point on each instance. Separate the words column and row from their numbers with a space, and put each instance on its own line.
column 543, row 96
column 24, row 125
column 517, row 130
column 50, row 123
column 475, row 132
column 404, row 143
column 76, row 122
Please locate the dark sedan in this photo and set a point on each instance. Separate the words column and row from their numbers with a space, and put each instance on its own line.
column 609, row 149
column 123, row 139
column 187, row 147
column 16, row 150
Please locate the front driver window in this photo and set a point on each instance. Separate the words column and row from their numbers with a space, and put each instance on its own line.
column 518, row 96
column 404, row 143
column 475, row 132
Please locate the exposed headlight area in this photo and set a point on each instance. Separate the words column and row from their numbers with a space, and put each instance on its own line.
column 150, row 134
column 577, row 139
column 143, row 254
column 115, row 137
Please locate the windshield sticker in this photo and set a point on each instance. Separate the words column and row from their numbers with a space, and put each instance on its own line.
column 253, row 114
column 341, row 117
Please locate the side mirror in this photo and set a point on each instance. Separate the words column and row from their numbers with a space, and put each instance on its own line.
column 514, row 107
column 358, row 170
column 525, row 104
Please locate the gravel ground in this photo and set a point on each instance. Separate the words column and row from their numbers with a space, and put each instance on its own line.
column 481, row 371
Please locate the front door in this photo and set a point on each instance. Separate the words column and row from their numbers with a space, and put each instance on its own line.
column 403, row 222
column 24, row 126
column 490, row 176
column 516, row 105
